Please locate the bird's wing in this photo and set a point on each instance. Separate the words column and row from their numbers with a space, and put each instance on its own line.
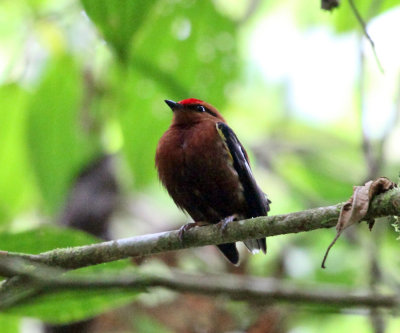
column 256, row 200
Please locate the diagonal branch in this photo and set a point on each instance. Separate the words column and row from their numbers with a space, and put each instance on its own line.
column 386, row 204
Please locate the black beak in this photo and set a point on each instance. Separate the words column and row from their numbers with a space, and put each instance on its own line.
column 173, row 105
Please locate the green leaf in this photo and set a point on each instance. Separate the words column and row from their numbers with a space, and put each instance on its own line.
column 58, row 146
column 118, row 20
column 44, row 239
column 189, row 49
column 16, row 186
column 71, row 306
column 142, row 123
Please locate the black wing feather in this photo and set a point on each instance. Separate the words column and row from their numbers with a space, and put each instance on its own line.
column 256, row 200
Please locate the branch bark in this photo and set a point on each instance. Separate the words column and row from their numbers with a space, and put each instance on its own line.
column 260, row 290
column 386, row 204
column 257, row 290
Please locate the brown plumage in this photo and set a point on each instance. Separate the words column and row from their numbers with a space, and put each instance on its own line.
column 206, row 171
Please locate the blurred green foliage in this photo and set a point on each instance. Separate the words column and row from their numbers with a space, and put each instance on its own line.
column 56, row 141
column 15, row 174
column 80, row 79
column 65, row 306
column 118, row 20
column 10, row 324
column 44, row 238
column 71, row 306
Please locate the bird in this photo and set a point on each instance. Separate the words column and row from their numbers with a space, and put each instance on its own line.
column 206, row 171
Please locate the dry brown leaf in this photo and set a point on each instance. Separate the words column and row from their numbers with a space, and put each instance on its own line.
column 379, row 186
column 355, row 209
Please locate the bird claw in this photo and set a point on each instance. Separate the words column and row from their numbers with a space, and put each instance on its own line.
column 183, row 229
column 224, row 223
column 187, row 227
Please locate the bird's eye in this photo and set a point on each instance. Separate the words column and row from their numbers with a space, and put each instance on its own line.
column 200, row 108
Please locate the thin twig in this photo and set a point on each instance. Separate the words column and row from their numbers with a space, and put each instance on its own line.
column 252, row 7
column 329, row 248
column 366, row 34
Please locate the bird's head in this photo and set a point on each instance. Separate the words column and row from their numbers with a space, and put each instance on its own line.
column 191, row 110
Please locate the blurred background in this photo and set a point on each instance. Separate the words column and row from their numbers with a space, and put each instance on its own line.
column 82, row 85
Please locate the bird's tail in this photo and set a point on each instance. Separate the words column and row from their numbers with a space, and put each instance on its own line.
column 230, row 252
column 255, row 245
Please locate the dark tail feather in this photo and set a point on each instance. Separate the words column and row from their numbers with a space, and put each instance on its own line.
column 263, row 244
column 230, row 251
column 255, row 245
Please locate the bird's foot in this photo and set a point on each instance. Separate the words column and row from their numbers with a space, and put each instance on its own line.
column 224, row 223
column 189, row 226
